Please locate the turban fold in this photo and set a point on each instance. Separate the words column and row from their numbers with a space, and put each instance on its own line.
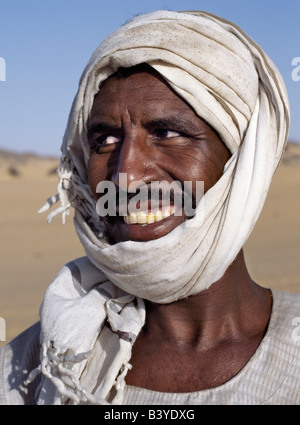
column 229, row 82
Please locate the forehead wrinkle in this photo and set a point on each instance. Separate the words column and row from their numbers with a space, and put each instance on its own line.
column 157, row 102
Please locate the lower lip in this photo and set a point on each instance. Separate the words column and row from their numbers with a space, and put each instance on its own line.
column 121, row 231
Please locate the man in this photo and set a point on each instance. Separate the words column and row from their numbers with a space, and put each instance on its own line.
column 162, row 309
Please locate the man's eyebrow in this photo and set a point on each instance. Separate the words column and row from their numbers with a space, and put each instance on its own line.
column 173, row 122
column 101, row 127
column 176, row 122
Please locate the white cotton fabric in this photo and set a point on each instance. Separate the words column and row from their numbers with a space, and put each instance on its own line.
column 232, row 84
column 76, row 309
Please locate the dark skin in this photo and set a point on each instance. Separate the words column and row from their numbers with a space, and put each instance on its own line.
column 140, row 126
column 132, row 129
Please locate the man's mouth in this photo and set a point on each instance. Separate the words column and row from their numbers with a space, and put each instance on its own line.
column 153, row 216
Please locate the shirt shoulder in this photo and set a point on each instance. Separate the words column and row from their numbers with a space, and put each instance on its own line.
column 282, row 350
column 17, row 359
column 286, row 317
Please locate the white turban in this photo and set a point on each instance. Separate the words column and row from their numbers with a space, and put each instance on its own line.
column 230, row 83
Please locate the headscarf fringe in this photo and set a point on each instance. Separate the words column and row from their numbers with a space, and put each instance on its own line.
column 55, row 366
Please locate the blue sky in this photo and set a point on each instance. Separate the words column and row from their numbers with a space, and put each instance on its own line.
column 46, row 44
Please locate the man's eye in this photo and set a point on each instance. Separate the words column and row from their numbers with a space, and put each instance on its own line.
column 108, row 140
column 167, row 134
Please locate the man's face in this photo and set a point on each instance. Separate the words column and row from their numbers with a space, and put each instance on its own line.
column 141, row 129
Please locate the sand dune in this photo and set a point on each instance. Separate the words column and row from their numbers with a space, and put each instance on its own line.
column 32, row 252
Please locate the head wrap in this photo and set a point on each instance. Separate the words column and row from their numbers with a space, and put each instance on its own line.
column 232, row 84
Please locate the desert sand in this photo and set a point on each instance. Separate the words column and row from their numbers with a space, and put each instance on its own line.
column 33, row 251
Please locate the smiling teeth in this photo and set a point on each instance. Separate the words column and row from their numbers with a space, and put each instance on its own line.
column 152, row 217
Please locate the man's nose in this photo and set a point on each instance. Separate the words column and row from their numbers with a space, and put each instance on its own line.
column 134, row 165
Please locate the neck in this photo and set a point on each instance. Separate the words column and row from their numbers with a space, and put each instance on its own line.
column 232, row 307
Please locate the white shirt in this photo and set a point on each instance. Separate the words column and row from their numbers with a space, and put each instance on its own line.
column 272, row 375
